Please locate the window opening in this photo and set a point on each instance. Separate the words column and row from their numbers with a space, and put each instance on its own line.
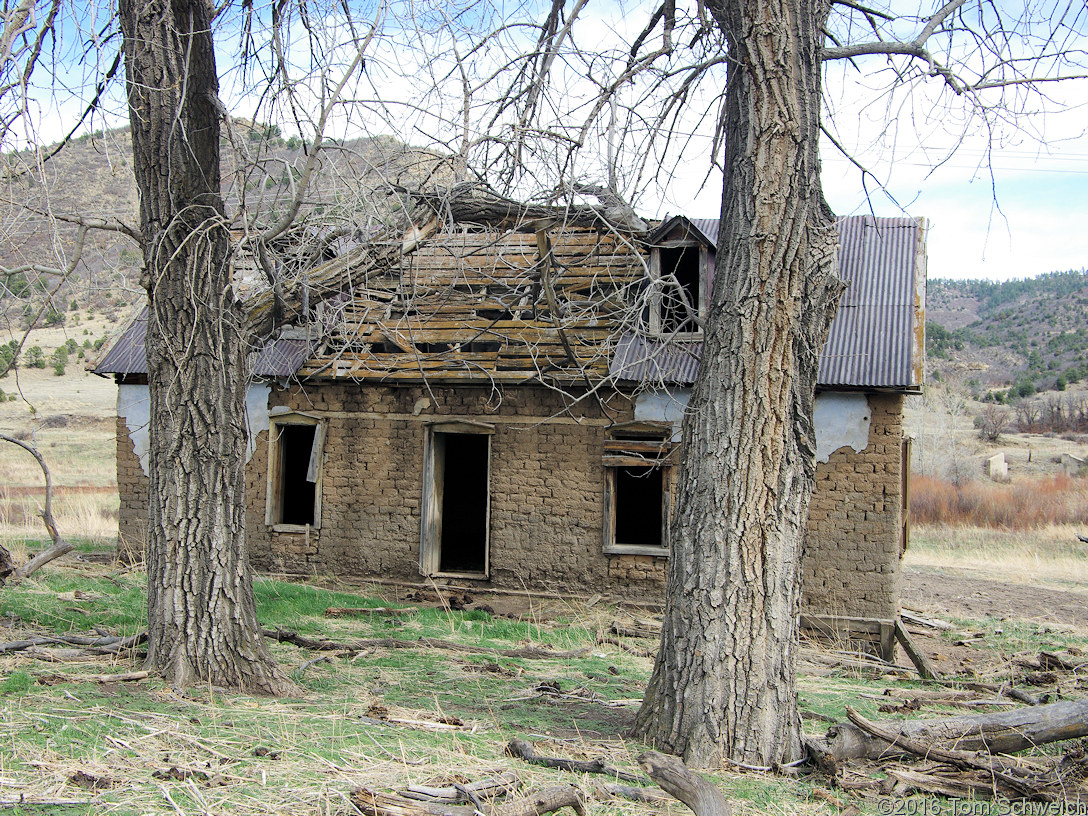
column 638, row 497
column 683, row 263
column 297, row 474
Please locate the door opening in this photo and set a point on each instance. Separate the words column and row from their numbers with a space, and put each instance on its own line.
column 457, row 506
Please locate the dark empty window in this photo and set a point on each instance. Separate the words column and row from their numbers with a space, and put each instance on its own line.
column 638, row 503
column 680, row 298
column 294, row 475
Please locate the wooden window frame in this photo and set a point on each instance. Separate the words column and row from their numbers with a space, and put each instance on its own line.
column 430, row 533
column 273, row 488
column 638, row 444
column 656, row 292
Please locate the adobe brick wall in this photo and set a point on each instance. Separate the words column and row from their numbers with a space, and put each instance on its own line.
column 133, row 489
column 547, row 497
column 547, row 477
column 852, row 549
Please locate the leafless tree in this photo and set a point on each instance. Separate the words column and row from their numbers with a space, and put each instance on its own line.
column 202, row 324
column 1028, row 414
column 1054, row 406
column 992, row 422
column 723, row 684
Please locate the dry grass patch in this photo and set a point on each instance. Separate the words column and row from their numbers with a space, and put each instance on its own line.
column 1022, row 505
column 1049, row 553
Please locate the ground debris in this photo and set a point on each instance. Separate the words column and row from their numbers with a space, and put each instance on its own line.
column 952, row 771
column 82, row 779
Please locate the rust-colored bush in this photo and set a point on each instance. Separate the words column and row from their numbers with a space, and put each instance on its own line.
column 1020, row 506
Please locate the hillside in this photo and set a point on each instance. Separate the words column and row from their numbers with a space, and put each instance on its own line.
column 91, row 177
column 1022, row 335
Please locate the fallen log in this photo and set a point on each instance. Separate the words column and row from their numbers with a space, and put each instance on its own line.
column 124, row 677
column 100, row 641
column 1004, row 732
column 528, row 652
column 367, row 611
column 523, row 750
column 955, row 787
column 489, row 788
column 997, row 770
column 645, row 632
column 648, row 796
column 549, row 800
column 699, row 794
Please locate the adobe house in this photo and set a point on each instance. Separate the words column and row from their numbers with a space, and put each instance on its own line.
column 499, row 408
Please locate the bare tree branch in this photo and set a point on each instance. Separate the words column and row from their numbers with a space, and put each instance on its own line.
column 60, row 545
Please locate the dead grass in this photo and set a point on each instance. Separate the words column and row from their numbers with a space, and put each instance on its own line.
column 1051, row 553
column 141, row 748
column 81, row 460
column 1022, row 505
column 69, row 419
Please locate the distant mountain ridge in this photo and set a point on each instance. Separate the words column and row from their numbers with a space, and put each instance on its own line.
column 92, row 177
column 1028, row 335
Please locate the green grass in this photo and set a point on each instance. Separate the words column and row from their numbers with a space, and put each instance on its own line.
column 247, row 755
column 18, row 682
column 47, row 600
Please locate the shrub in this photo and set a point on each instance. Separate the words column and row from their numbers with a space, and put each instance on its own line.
column 59, row 361
column 34, row 357
column 1019, row 506
column 8, row 352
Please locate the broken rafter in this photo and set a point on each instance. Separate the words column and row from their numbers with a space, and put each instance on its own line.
column 475, row 204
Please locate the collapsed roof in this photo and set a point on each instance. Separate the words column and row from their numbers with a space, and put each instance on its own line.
column 534, row 298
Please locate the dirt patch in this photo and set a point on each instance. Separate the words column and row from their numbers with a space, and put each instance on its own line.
column 957, row 593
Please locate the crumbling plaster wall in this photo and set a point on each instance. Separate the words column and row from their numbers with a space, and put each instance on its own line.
column 852, row 549
column 547, row 494
column 547, row 483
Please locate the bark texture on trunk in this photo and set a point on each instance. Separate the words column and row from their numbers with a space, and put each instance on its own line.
column 202, row 623
column 723, row 686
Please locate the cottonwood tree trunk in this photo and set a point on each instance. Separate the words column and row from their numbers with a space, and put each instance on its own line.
column 202, row 624
column 723, row 686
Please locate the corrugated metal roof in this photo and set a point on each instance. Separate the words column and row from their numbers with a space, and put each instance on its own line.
column 280, row 357
column 876, row 338
column 125, row 355
column 642, row 359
